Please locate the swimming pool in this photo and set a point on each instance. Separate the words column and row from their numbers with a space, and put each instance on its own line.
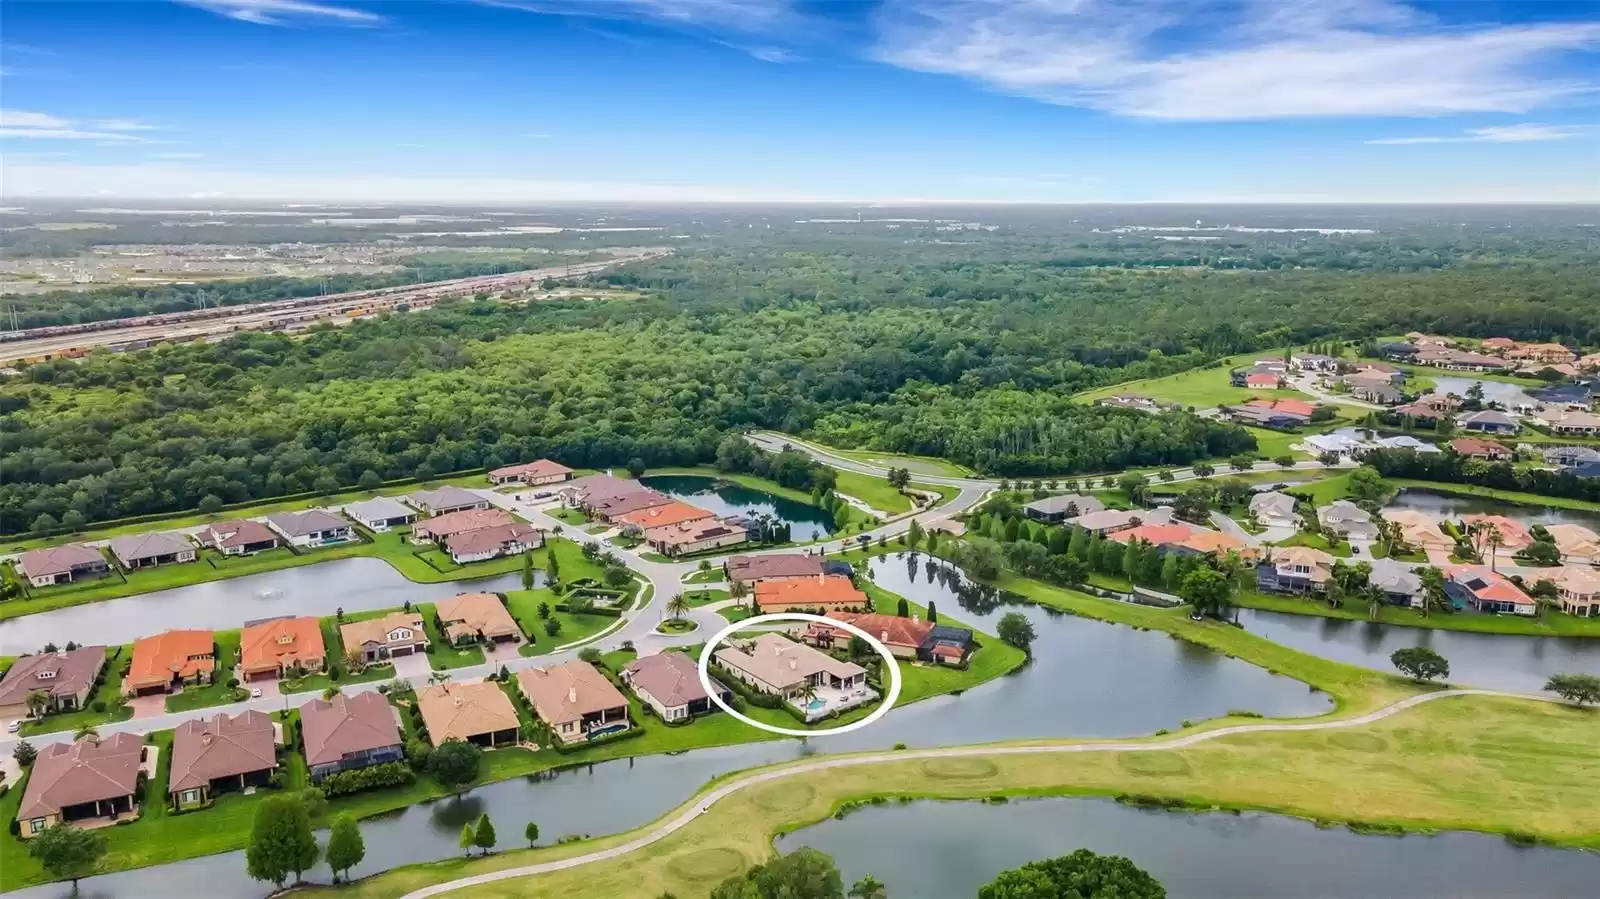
column 816, row 704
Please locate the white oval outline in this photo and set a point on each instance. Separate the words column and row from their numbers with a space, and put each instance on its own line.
column 735, row 627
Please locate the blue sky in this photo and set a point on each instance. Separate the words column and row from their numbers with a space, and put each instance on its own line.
column 1003, row 100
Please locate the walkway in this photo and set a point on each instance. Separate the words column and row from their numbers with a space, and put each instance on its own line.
column 700, row 807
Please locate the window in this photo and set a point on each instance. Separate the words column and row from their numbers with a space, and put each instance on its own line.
column 190, row 796
column 36, row 825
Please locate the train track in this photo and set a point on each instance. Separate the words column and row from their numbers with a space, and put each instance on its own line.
column 71, row 341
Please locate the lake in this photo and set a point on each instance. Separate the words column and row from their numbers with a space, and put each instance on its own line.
column 1509, row 395
column 1453, row 506
column 357, row 584
column 805, row 521
column 947, row 850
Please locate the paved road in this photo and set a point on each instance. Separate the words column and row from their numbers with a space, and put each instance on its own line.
column 704, row 804
column 1308, row 385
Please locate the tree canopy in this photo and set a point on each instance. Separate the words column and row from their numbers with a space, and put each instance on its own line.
column 1081, row 875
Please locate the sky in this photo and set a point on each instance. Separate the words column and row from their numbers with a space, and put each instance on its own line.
column 480, row 101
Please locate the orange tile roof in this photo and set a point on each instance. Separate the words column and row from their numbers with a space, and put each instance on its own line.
column 809, row 592
column 157, row 659
column 891, row 629
column 1496, row 587
column 1204, row 541
column 279, row 643
column 1291, row 406
column 539, row 468
column 1156, row 534
column 672, row 513
column 1514, row 534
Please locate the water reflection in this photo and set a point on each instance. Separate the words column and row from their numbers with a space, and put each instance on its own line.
column 805, row 521
column 1453, row 507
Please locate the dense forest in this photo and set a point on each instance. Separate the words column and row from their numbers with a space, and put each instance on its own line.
column 946, row 350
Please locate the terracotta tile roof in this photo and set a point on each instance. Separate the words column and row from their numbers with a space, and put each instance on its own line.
column 1489, row 585
column 891, row 629
column 1578, row 580
column 755, row 568
column 311, row 521
column 239, row 532
column 280, row 643
column 470, row 614
column 346, row 724
column 672, row 678
column 490, row 539
column 1309, row 557
column 1260, row 380
column 1285, row 405
column 808, row 592
column 642, row 498
column 224, row 746
column 377, row 630
column 443, row 526
column 1575, row 540
column 568, row 691
column 460, row 711
column 674, row 512
column 1418, row 529
column 693, row 532
column 68, row 774
column 539, row 468
column 66, row 673
column 60, row 559
column 1206, row 541
column 1157, row 534
column 158, row 659
column 1477, row 446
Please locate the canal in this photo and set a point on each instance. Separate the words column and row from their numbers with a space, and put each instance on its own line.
column 805, row 521
column 1509, row 395
column 947, row 850
column 1447, row 506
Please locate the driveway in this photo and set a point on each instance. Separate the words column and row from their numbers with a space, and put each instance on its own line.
column 413, row 666
column 148, row 706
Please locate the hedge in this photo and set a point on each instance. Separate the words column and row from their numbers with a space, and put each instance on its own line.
column 386, row 774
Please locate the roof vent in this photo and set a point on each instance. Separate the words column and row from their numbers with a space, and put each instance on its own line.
column 572, row 695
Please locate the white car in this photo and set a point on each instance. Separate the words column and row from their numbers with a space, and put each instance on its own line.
column 255, row 692
column 14, row 726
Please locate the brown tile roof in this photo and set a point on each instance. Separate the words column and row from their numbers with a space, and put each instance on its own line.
column 224, row 746
column 144, row 546
column 809, row 592
column 891, row 629
column 460, row 522
column 157, row 659
column 346, row 724
column 539, row 468
column 240, row 532
column 376, row 630
column 65, row 673
column 68, row 774
column 674, row 512
column 672, row 678
column 783, row 663
column 693, row 532
column 476, row 613
column 1514, row 535
column 311, row 521
column 60, row 559
column 490, row 539
column 755, row 568
column 281, row 642
column 460, row 711
column 448, row 496
column 568, row 691
column 1476, row 446
column 643, row 498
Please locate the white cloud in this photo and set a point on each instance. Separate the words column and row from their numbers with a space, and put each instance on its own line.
column 1236, row 59
column 742, row 15
column 123, row 125
column 281, row 12
column 21, row 124
column 1502, row 134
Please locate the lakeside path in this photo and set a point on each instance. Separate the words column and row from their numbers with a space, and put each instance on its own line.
column 700, row 806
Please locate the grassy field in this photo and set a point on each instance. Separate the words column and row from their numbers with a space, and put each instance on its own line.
column 931, row 465
column 1552, row 623
column 1477, row 763
column 1510, row 496
column 1316, row 541
column 872, row 490
column 712, row 575
column 524, row 607
column 1199, row 387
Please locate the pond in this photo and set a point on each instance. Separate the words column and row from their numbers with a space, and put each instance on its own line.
column 805, row 521
column 357, row 585
column 1493, row 661
column 947, row 850
column 1453, row 506
column 1088, row 679
column 1509, row 395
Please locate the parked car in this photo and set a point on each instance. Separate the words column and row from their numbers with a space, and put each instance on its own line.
column 14, row 726
column 255, row 692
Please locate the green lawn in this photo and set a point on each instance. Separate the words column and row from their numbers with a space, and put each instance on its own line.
column 199, row 697
column 442, row 655
column 1316, row 541
column 1198, row 387
column 915, row 464
column 1552, row 624
column 735, row 613
column 569, row 516
column 699, row 598
column 712, row 575
column 524, row 607
column 109, row 694
column 872, row 490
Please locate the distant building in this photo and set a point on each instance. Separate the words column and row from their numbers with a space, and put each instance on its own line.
column 1056, row 509
column 1488, row 421
column 240, row 537
column 313, row 527
column 446, row 499
column 381, row 513
column 62, row 564
column 149, row 550
column 532, row 474
column 1478, row 448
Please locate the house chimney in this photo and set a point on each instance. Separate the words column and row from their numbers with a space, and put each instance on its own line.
column 793, row 664
column 883, row 635
column 572, row 695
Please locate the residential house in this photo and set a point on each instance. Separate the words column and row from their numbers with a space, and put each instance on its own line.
column 220, row 754
column 1578, row 544
column 605, row 497
column 1130, row 401
column 1398, row 352
column 148, row 550
column 478, row 713
column 381, row 513
column 1313, row 362
column 92, row 781
column 1497, row 345
column 1590, row 362
column 1579, row 591
column 1279, row 413
column 451, row 523
column 444, row 500
column 1570, row 396
column 1584, row 470
column 313, row 527
column 1400, row 583
column 1544, row 370
column 1418, row 530
column 802, row 594
column 1347, row 518
column 577, row 702
column 493, row 542
column 669, row 682
column 1395, row 376
column 1274, row 510
column 62, row 564
column 674, row 512
column 696, row 536
column 168, row 660
column 750, row 569
column 1056, row 509
column 1478, row 448
column 611, row 507
column 1422, row 413
column 1379, row 394
column 389, row 636
column 1548, row 353
column 1567, row 456
column 281, row 647
column 1108, row 521
column 66, row 679
column 239, row 537
column 1476, row 587
column 470, row 617
column 1295, row 569
column 1332, row 445
column 1568, row 421
column 349, row 731
column 1405, row 442
column 1488, row 421
column 905, row 638
column 1514, row 535
column 532, row 474
column 1262, row 381
column 813, row 682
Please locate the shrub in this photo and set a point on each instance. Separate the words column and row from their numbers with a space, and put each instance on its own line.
column 417, row 753
column 233, row 683
column 387, row 774
column 99, row 705
column 335, row 673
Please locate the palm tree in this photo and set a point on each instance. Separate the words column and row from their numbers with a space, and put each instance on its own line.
column 1486, row 534
column 38, row 701
column 1375, row 600
column 808, row 692
column 86, row 732
column 438, row 677
column 677, row 607
column 1433, row 595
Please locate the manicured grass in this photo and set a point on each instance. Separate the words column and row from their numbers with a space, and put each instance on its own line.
column 199, row 697
column 569, row 515
column 872, row 490
column 1480, row 763
column 109, row 693
column 1198, row 387
column 1553, row 623
column 712, row 575
column 735, row 613
column 441, row 654
column 1315, row 541
column 698, row 598
column 524, row 607
column 1510, row 496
